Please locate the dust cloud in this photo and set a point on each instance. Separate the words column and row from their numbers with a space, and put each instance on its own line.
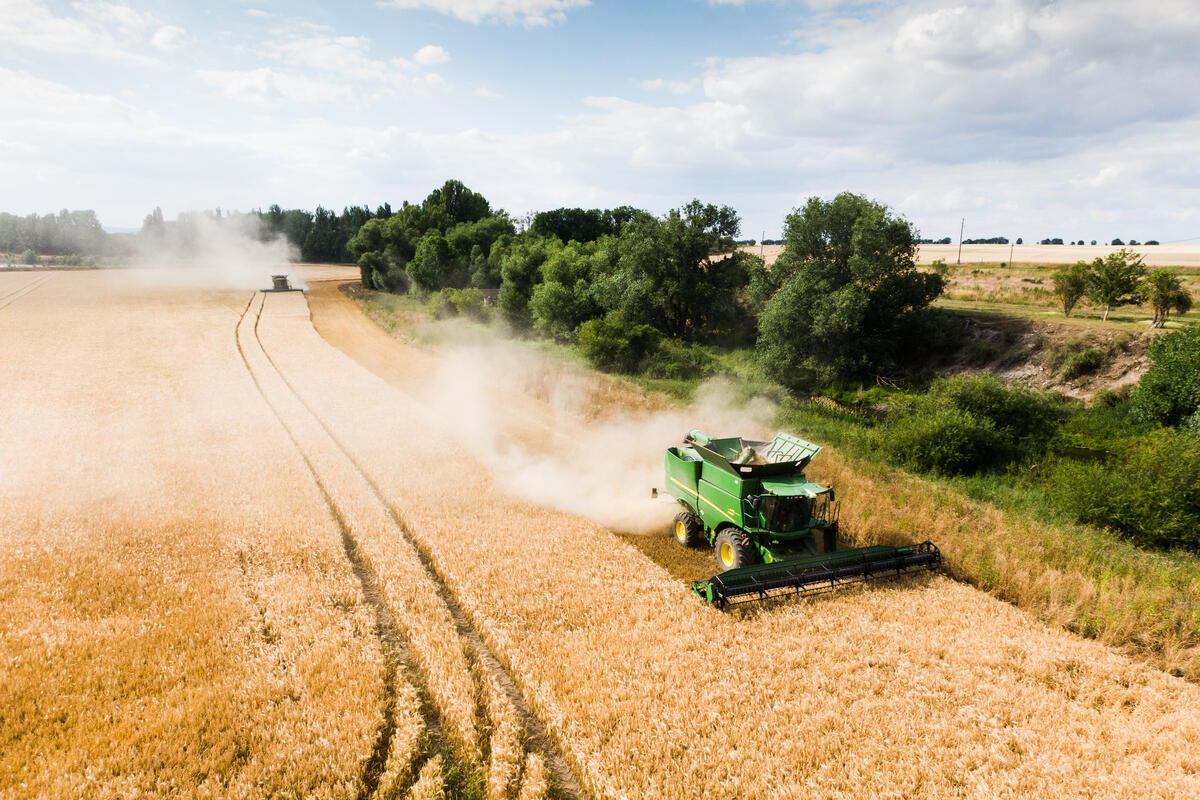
column 201, row 251
column 569, row 439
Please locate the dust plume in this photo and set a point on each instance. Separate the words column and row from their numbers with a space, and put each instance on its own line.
column 200, row 250
column 572, row 440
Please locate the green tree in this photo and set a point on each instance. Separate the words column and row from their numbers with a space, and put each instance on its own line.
column 520, row 272
column 563, row 300
column 436, row 265
column 1070, row 285
column 1169, row 392
column 458, row 203
column 850, row 300
column 1165, row 293
column 1113, row 280
column 682, row 273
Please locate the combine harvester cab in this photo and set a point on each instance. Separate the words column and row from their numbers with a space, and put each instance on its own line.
column 773, row 531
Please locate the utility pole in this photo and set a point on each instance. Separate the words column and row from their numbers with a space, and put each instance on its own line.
column 760, row 246
column 961, row 226
column 1011, row 245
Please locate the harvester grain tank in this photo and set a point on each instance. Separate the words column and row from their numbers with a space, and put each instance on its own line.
column 772, row 530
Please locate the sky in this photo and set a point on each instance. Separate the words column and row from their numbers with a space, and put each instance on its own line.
column 1073, row 119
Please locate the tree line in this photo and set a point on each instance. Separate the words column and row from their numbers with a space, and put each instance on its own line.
column 66, row 233
column 643, row 293
column 1119, row 279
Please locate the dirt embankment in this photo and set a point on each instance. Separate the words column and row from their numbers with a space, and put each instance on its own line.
column 1079, row 361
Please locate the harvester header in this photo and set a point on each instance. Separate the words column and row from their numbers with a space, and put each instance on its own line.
column 772, row 530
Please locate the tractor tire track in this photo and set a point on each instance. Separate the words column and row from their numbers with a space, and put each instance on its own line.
column 21, row 291
column 536, row 734
column 392, row 643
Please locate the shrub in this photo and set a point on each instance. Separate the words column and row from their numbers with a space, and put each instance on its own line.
column 1150, row 495
column 29, row 257
column 457, row 302
column 610, row 344
column 1014, row 411
column 1170, row 390
column 676, row 360
column 468, row 302
column 1081, row 362
column 941, row 438
column 1111, row 398
column 970, row 423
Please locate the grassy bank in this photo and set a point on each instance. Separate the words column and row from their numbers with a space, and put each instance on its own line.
column 1006, row 539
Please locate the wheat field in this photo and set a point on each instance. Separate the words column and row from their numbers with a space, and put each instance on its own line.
column 239, row 563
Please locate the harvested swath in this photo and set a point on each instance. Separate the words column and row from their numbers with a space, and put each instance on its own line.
column 409, row 596
column 431, row 785
column 176, row 612
column 533, row 785
column 922, row 688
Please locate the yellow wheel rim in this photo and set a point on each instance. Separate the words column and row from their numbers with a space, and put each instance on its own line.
column 680, row 532
column 727, row 554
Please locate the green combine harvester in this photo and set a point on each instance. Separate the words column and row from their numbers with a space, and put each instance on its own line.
column 774, row 531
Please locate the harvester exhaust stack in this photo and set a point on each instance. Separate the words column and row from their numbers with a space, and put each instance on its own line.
column 773, row 531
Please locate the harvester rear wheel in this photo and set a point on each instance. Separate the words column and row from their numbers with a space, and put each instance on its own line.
column 686, row 529
column 733, row 550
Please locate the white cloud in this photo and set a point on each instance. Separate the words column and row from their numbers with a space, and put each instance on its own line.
column 487, row 93
column 1006, row 79
column 257, row 12
column 115, row 14
column 674, row 87
column 265, row 86
column 431, row 54
column 105, row 30
column 170, row 37
column 347, row 60
column 25, row 95
column 531, row 13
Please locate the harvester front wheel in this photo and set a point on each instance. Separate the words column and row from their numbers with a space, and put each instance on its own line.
column 733, row 549
column 687, row 529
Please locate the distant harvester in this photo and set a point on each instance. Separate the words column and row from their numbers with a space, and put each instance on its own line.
column 281, row 284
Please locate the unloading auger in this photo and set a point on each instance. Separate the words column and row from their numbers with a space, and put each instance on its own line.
column 774, row 532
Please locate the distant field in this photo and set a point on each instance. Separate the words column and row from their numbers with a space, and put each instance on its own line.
column 1183, row 255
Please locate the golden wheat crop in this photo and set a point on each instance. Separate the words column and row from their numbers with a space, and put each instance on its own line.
column 431, row 785
column 533, row 784
column 922, row 688
column 176, row 612
column 410, row 595
column 182, row 607
column 506, row 748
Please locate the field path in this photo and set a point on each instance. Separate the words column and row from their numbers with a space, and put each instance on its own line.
column 283, row 309
column 924, row 688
